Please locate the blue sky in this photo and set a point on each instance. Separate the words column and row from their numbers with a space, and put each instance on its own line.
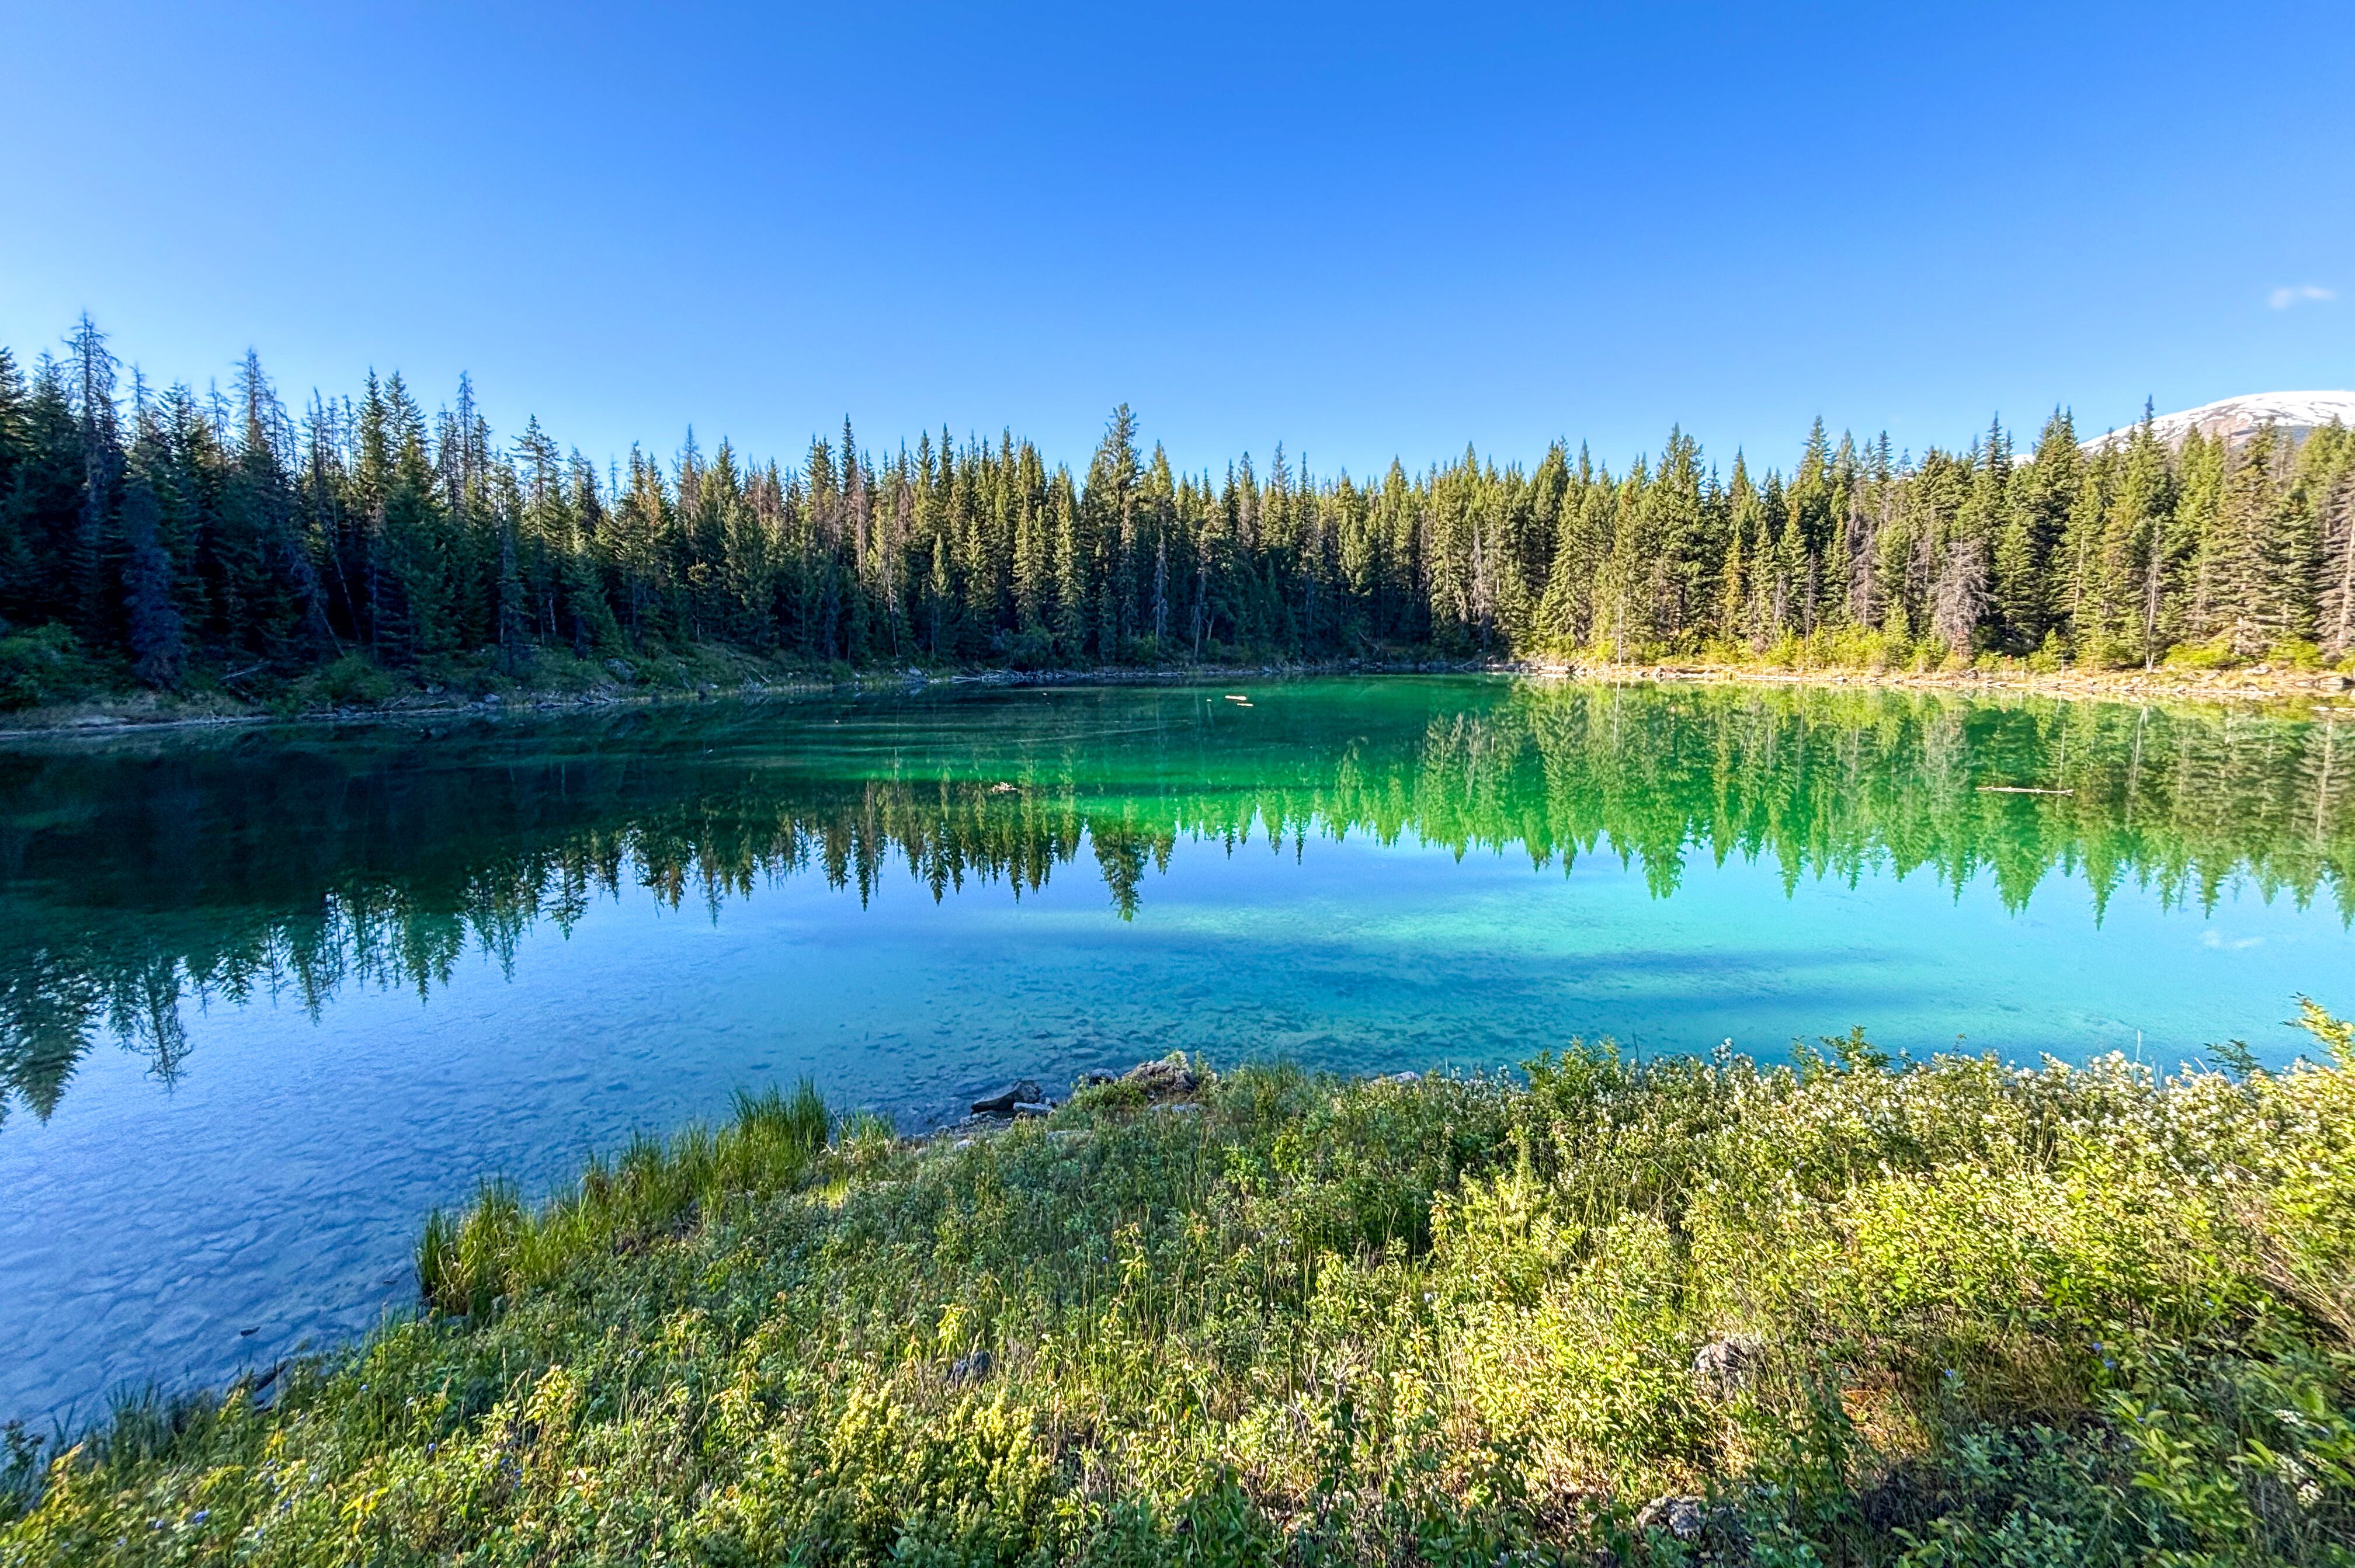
column 1358, row 231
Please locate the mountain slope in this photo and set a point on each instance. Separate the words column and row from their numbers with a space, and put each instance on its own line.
column 2237, row 419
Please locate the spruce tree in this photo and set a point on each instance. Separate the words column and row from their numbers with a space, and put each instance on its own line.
column 17, row 585
column 2248, row 607
column 2039, row 497
column 2336, row 631
column 153, row 620
column 207, row 537
column 92, row 371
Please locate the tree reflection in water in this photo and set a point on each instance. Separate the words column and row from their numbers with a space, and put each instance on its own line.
column 140, row 875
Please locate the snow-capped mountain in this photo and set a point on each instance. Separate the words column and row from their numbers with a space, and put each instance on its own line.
column 2237, row 419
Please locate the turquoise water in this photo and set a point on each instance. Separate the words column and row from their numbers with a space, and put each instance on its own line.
column 266, row 998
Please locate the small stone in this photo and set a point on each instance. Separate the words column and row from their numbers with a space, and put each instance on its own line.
column 1172, row 1075
column 1682, row 1517
column 1724, row 1367
column 1032, row 1107
column 1026, row 1093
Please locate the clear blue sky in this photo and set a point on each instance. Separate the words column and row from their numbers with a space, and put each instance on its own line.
column 1357, row 231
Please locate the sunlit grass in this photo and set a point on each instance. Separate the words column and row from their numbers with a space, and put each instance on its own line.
column 1857, row 1310
column 473, row 1262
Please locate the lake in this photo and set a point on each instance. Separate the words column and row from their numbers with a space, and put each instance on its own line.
column 268, row 996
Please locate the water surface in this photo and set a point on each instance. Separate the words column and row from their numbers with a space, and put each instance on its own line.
column 267, row 997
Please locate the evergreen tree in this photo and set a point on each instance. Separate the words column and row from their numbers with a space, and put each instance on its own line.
column 204, row 538
column 154, row 628
column 2039, row 498
column 2336, row 631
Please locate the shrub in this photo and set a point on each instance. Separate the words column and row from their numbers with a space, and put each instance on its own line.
column 1864, row 1309
column 43, row 664
column 2208, row 655
column 1030, row 650
column 351, row 681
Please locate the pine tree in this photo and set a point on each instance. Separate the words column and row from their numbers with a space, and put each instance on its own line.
column 2196, row 534
column 153, row 625
column 93, row 369
column 17, row 586
column 1070, row 559
column 2248, row 610
column 2039, row 499
column 206, row 536
column 2142, row 543
column 1733, row 585
column 1108, row 522
column 2336, row 597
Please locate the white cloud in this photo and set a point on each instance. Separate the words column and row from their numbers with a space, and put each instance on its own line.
column 2304, row 293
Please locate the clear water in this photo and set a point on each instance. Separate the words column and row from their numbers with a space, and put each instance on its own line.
column 266, row 998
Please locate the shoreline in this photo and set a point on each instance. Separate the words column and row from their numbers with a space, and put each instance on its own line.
column 104, row 718
column 1568, row 1315
column 2330, row 693
column 2252, row 686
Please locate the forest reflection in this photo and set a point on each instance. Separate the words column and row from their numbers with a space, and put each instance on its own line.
column 138, row 879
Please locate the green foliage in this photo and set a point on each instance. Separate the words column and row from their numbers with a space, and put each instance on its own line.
column 1821, row 783
column 44, row 665
column 186, row 543
column 351, row 681
column 1979, row 1314
column 2208, row 655
column 496, row 1249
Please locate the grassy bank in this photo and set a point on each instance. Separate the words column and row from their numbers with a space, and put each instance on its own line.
column 1854, row 1311
column 2306, row 685
column 47, row 681
column 48, row 685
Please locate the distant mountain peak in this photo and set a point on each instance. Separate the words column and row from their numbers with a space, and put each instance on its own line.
column 2237, row 419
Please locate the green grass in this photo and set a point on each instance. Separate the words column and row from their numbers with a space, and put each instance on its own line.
column 1987, row 1314
column 471, row 1263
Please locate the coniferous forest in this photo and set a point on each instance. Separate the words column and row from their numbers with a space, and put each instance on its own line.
column 172, row 540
